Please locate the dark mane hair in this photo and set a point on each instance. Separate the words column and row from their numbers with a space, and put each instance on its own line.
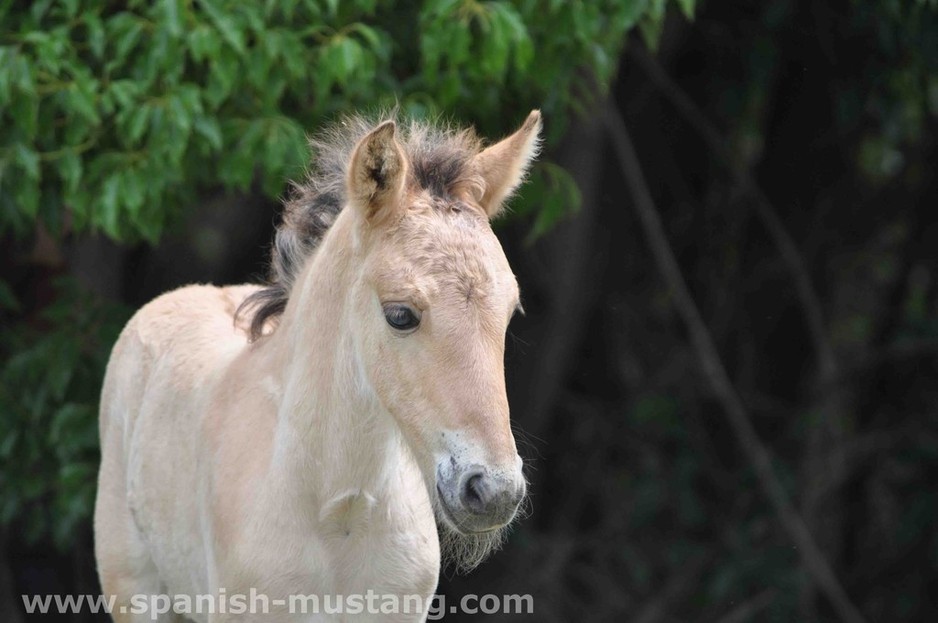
column 438, row 155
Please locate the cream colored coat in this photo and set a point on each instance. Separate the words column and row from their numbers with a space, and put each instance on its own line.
column 311, row 460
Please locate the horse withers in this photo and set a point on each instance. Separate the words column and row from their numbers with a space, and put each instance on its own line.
column 342, row 429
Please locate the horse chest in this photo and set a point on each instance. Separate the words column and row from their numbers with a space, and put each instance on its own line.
column 375, row 544
column 355, row 545
column 403, row 562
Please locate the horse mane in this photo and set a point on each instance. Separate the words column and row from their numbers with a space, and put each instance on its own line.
column 438, row 154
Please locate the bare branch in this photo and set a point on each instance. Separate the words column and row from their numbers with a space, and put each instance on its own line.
column 810, row 302
column 718, row 378
column 818, row 473
column 890, row 354
column 680, row 582
column 746, row 610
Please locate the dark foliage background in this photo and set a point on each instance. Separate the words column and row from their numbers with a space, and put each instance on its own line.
column 725, row 382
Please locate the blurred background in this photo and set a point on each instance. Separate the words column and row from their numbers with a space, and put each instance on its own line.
column 725, row 383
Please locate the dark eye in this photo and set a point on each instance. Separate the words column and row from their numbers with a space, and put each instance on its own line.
column 401, row 317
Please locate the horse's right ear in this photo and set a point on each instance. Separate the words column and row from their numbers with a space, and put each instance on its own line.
column 504, row 165
column 377, row 172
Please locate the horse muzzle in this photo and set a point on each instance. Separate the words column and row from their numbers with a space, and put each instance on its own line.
column 477, row 499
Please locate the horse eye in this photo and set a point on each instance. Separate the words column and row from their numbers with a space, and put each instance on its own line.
column 401, row 317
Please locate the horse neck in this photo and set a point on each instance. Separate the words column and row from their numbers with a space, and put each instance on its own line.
column 333, row 436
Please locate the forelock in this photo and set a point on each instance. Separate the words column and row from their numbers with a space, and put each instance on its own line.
column 439, row 155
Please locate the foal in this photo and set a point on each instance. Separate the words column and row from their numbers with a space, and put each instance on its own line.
column 313, row 435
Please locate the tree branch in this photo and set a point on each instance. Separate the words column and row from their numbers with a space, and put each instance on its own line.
column 746, row 610
column 818, row 471
column 810, row 302
column 680, row 582
column 716, row 374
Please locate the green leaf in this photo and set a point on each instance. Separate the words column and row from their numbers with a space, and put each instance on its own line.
column 124, row 92
column 96, row 36
column 70, row 169
column 133, row 189
column 28, row 160
column 125, row 30
column 137, row 123
column 226, row 25
column 7, row 302
column 340, row 59
column 26, row 195
column 208, row 128
column 8, row 444
column 368, row 34
column 172, row 13
column 82, row 99
column 25, row 112
column 553, row 193
column 687, row 7
column 108, row 217
column 225, row 73
column 66, row 419
column 494, row 57
column 284, row 149
column 237, row 167
column 293, row 55
column 652, row 23
column 179, row 112
column 204, row 43
column 6, row 83
column 517, row 32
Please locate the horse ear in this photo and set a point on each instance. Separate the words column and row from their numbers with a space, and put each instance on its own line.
column 504, row 165
column 378, row 171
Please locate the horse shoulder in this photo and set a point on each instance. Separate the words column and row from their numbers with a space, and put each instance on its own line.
column 162, row 382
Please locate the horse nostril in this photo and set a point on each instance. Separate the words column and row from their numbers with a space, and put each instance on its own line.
column 476, row 493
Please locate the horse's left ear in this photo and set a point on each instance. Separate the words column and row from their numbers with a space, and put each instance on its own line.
column 503, row 166
column 377, row 172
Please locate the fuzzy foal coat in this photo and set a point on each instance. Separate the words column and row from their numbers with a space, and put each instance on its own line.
column 275, row 463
